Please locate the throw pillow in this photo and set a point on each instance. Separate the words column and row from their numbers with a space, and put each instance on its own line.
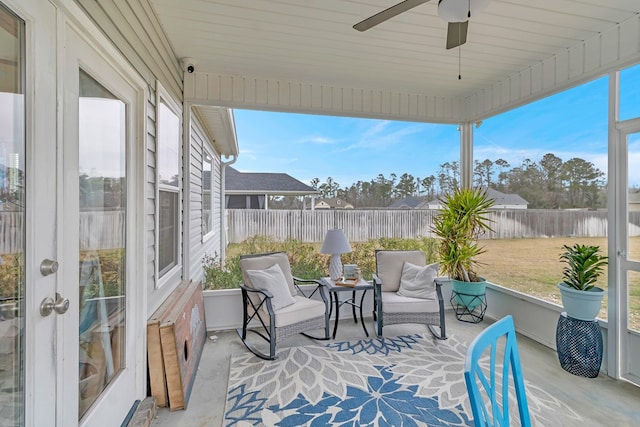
column 418, row 282
column 272, row 279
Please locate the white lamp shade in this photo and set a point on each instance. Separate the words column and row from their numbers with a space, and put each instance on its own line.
column 335, row 242
column 458, row 10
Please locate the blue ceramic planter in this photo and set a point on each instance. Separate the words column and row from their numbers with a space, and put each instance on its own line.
column 467, row 293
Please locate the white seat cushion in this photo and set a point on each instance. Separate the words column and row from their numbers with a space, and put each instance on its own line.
column 394, row 303
column 418, row 282
column 303, row 309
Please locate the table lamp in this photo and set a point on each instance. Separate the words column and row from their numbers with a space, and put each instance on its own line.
column 335, row 243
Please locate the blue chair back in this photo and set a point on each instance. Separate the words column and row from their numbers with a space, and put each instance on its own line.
column 494, row 388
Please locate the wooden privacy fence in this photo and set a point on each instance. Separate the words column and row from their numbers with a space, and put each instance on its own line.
column 105, row 230
column 362, row 225
column 11, row 232
column 98, row 230
column 311, row 226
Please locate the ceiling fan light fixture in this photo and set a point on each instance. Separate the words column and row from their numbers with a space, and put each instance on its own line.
column 458, row 10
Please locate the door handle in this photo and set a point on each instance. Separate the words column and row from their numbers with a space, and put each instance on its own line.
column 60, row 305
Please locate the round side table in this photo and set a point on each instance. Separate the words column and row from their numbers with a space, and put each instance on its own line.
column 579, row 345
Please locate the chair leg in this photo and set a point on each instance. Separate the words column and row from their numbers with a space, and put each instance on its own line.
column 313, row 337
column 441, row 335
column 254, row 350
column 379, row 326
column 443, row 332
column 378, row 318
column 242, row 332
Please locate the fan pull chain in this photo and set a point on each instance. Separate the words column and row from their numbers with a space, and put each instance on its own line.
column 460, row 52
column 469, row 13
column 459, row 60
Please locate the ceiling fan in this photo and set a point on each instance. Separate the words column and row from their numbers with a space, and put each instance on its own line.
column 455, row 12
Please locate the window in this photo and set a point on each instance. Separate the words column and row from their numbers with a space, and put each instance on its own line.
column 207, row 187
column 169, row 178
column 102, row 142
column 546, row 165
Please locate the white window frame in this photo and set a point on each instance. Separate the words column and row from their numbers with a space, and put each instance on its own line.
column 207, row 151
column 174, row 274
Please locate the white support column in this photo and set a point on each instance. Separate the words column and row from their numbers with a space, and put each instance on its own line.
column 466, row 155
column 224, row 200
column 616, row 214
column 187, row 115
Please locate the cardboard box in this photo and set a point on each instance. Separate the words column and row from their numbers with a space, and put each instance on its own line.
column 176, row 335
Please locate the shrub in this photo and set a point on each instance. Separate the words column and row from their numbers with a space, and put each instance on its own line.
column 364, row 253
column 216, row 277
column 305, row 259
column 11, row 276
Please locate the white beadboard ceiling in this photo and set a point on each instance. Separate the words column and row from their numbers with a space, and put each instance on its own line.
column 313, row 40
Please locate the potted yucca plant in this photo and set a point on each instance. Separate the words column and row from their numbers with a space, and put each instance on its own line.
column 463, row 218
column 584, row 265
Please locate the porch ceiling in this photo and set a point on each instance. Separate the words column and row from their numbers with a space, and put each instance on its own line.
column 314, row 42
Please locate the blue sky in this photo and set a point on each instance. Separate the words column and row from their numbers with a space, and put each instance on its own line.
column 569, row 124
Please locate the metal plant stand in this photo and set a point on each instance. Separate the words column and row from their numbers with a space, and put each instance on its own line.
column 463, row 313
column 579, row 344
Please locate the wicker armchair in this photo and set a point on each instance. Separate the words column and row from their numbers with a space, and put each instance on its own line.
column 262, row 315
column 391, row 308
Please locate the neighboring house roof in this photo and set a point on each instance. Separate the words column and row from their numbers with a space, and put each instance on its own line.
column 333, row 203
column 407, row 203
column 502, row 200
column 237, row 182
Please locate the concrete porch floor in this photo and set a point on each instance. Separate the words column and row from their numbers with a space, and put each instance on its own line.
column 602, row 400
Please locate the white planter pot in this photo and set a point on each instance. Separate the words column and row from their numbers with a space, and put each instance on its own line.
column 223, row 309
column 581, row 305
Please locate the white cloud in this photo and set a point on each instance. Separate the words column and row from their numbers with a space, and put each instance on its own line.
column 322, row 140
column 247, row 154
column 383, row 136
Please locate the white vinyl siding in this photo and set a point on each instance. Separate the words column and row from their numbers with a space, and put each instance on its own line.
column 199, row 246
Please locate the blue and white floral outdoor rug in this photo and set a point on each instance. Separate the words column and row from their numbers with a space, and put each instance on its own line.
column 411, row 380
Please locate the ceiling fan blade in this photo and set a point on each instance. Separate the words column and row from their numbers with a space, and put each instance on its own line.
column 389, row 13
column 457, row 34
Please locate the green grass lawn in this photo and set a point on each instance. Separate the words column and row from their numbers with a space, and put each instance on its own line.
column 532, row 266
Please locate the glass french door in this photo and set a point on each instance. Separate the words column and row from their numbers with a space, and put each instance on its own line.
column 28, row 215
column 71, row 350
column 71, row 327
column 12, row 218
column 100, row 344
column 629, row 251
